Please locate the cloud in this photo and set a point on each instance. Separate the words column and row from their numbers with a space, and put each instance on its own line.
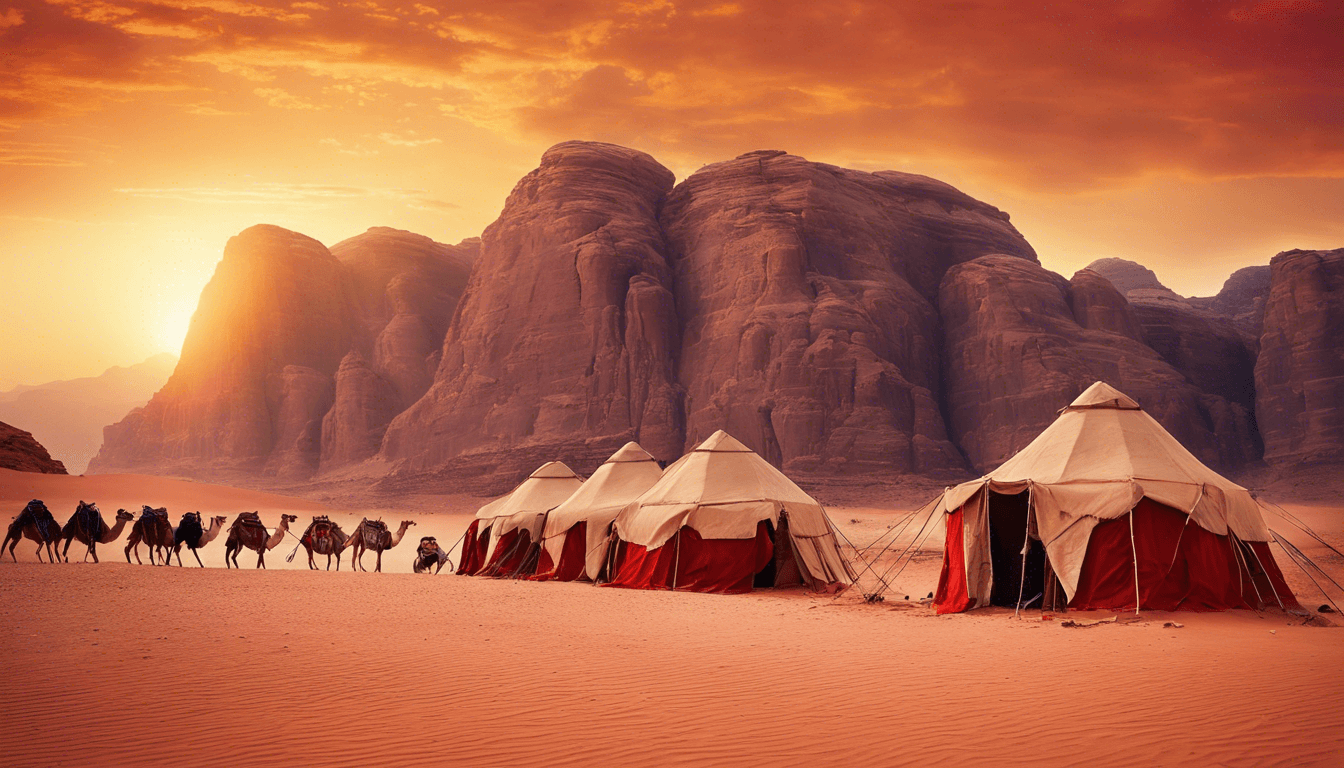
column 12, row 17
column 401, row 141
column 279, row 97
column 1053, row 94
column 294, row 195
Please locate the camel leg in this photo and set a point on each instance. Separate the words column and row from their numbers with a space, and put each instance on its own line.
column 39, row 553
column 378, row 567
column 228, row 552
column 198, row 558
column 12, row 544
column 93, row 550
column 338, row 560
column 65, row 554
column 261, row 558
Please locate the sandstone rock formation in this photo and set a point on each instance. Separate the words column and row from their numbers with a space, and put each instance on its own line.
column 403, row 290
column 1299, row 375
column 1021, row 342
column 807, row 296
column 18, row 450
column 564, row 343
column 1211, row 341
column 1128, row 276
column 258, row 377
column 1242, row 300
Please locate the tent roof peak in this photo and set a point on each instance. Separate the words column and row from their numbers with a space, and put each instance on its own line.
column 1103, row 395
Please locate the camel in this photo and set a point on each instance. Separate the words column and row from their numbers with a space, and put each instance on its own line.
column 324, row 538
column 153, row 528
column 191, row 533
column 248, row 531
column 429, row 555
column 88, row 527
column 36, row 523
column 373, row 534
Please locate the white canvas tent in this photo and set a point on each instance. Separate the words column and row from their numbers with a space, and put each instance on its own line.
column 620, row 480
column 1094, row 464
column 721, row 492
column 519, row 514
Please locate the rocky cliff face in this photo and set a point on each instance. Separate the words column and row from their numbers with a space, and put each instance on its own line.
column 834, row 320
column 258, row 373
column 1242, row 300
column 1128, row 276
column 1021, row 342
column 1299, row 376
column 18, row 450
column 565, row 342
column 807, row 296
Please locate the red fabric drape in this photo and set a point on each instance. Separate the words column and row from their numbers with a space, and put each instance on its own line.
column 952, row 596
column 1181, row 566
column 723, row 566
column 509, row 553
column 474, row 547
column 572, row 557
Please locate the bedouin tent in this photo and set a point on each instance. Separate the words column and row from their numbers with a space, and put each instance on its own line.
column 721, row 519
column 1106, row 510
column 575, row 535
column 498, row 539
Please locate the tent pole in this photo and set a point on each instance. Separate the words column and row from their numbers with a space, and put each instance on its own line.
column 1134, row 547
column 676, row 558
column 1026, row 545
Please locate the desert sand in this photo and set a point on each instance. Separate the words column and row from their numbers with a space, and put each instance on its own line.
column 135, row 665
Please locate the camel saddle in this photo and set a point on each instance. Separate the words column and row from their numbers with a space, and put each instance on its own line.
column 374, row 533
column 320, row 528
column 42, row 518
column 190, row 530
column 248, row 520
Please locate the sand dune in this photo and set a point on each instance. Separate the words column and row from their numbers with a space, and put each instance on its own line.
column 139, row 666
column 125, row 665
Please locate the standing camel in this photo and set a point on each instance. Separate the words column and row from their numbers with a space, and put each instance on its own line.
column 153, row 528
column 36, row 523
column 323, row 537
column 87, row 526
column 373, row 534
column 191, row 533
column 248, row 531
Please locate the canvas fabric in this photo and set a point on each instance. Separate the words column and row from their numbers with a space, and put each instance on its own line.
column 723, row 490
column 525, row 507
column 1094, row 464
column 619, row 481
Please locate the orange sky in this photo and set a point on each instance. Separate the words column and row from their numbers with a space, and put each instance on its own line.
column 136, row 137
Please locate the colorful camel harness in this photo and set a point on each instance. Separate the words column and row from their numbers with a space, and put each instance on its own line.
column 320, row 528
column 375, row 534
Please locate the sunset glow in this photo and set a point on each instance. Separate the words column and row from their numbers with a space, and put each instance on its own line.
column 137, row 137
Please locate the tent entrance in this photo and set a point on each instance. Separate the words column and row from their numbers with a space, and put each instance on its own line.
column 782, row 569
column 1008, row 529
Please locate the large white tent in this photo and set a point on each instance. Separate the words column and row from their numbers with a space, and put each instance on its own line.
column 575, row 535
column 706, row 526
column 503, row 530
column 1106, row 460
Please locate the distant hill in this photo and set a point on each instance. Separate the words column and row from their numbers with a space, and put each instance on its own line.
column 67, row 417
column 19, row 451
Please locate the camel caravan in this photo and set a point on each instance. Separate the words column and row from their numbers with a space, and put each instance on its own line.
column 1105, row 509
column 164, row 541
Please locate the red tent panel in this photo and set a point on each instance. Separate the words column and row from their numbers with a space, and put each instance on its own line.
column 509, row 553
column 1181, row 567
column 951, row 596
column 474, row 547
column 573, row 557
column 723, row 566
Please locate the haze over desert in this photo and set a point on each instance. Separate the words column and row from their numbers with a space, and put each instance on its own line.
column 671, row 383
